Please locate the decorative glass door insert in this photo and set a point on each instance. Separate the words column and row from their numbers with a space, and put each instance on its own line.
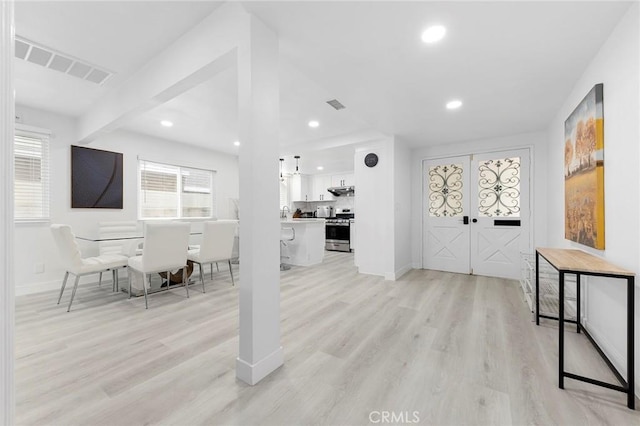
column 445, row 190
column 499, row 187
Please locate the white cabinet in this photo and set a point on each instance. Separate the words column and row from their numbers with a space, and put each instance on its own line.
column 345, row 179
column 320, row 185
column 301, row 188
column 307, row 189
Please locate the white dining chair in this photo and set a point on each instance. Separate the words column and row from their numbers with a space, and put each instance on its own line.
column 111, row 231
column 73, row 262
column 216, row 246
column 165, row 249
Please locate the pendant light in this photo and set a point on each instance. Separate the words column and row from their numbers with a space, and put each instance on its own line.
column 297, row 157
column 281, row 163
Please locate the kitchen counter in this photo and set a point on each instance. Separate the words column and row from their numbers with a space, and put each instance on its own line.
column 308, row 246
column 303, row 220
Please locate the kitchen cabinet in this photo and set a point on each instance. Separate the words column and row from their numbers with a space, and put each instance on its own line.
column 320, row 185
column 301, row 188
column 345, row 179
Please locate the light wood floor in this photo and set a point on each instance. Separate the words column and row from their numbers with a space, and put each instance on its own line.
column 457, row 349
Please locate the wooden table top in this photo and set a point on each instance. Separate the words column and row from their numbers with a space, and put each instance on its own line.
column 580, row 261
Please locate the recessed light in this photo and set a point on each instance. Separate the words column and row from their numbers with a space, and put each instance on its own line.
column 455, row 104
column 313, row 124
column 166, row 123
column 237, row 143
column 320, row 168
column 433, row 34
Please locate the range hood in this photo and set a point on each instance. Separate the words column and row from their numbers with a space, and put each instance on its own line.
column 339, row 191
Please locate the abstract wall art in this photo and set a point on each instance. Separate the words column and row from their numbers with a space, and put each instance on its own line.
column 96, row 178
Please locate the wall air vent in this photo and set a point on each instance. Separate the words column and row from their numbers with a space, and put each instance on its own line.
column 58, row 61
column 336, row 104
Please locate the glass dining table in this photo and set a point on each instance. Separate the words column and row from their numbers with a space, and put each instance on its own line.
column 135, row 250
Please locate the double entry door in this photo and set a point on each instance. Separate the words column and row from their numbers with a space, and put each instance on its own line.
column 476, row 213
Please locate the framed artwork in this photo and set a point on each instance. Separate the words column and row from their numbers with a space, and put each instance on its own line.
column 584, row 172
column 96, row 178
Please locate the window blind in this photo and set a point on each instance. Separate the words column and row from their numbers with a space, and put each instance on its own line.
column 197, row 192
column 174, row 192
column 31, row 177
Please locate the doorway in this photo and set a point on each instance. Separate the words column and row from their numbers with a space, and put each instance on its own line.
column 476, row 213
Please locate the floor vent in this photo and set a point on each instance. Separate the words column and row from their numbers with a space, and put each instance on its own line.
column 58, row 61
column 336, row 104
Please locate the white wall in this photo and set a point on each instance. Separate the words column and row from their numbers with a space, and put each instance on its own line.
column 33, row 242
column 374, row 210
column 382, row 205
column 535, row 141
column 402, row 208
column 616, row 66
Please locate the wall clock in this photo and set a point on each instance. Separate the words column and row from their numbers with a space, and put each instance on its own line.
column 370, row 160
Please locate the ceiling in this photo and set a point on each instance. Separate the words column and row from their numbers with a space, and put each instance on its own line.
column 511, row 63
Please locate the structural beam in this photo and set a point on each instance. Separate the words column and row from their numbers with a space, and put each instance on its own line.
column 194, row 58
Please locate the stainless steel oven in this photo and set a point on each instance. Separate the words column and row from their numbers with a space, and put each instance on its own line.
column 337, row 234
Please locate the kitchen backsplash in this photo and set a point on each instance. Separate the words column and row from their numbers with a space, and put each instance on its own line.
column 344, row 203
column 339, row 203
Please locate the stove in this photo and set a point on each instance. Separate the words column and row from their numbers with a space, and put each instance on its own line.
column 337, row 231
column 336, row 220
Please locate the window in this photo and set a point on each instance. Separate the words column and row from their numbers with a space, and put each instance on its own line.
column 284, row 191
column 174, row 192
column 31, row 176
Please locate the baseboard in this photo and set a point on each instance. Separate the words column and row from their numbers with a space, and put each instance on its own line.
column 416, row 265
column 365, row 272
column 41, row 287
column 33, row 288
column 253, row 373
column 617, row 359
column 400, row 272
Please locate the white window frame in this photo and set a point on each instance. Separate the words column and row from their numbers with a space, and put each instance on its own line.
column 285, row 192
column 35, row 133
column 179, row 190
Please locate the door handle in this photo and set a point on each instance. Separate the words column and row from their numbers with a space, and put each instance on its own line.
column 465, row 220
column 474, row 220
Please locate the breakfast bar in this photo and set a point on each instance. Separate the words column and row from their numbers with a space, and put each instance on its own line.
column 307, row 246
column 577, row 262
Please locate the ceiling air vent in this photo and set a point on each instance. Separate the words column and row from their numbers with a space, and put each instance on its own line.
column 336, row 104
column 58, row 61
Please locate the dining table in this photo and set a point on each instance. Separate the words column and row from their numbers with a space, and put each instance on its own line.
column 175, row 276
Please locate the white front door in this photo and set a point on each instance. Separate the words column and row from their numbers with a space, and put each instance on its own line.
column 476, row 213
column 446, row 204
column 500, row 205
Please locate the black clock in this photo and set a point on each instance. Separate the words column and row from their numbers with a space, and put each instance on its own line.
column 370, row 160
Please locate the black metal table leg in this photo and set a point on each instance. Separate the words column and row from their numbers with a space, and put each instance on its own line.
column 561, row 332
column 578, row 302
column 631, row 401
column 537, row 288
column 626, row 386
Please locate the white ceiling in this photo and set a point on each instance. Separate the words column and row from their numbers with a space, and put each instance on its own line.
column 118, row 36
column 512, row 64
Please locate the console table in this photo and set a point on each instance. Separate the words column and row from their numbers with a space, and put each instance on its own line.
column 579, row 263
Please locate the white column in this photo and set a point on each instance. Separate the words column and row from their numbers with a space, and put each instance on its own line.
column 258, row 98
column 7, row 120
